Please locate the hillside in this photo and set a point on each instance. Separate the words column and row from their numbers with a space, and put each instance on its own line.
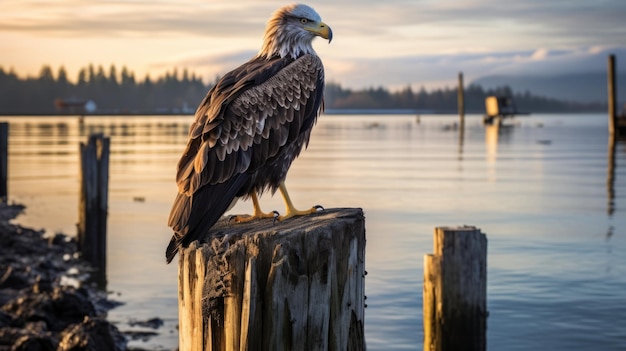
column 579, row 87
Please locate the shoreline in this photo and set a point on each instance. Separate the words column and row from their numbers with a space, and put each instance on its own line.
column 48, row 297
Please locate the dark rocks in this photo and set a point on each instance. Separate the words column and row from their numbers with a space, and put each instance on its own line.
column 38, row 311
column 33, row 343
column 58, row 309
column 153, row 323
column 140, row 335
column 92, row 335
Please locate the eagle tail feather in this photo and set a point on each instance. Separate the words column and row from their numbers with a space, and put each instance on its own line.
column 192, row 216
column 172, row 249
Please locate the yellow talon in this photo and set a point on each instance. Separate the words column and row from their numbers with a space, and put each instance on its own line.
column 291, row 210
column 256, row 214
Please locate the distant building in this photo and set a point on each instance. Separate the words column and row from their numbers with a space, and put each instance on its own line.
column 73, row 106
column 499, row 107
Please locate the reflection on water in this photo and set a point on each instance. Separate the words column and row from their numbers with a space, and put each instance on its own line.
column 539, row 189
column 610, row 180
column 491, row 140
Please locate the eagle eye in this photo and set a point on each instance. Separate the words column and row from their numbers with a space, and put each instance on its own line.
column 304, row 20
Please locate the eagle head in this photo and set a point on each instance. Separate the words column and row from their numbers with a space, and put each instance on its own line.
column 291, row 29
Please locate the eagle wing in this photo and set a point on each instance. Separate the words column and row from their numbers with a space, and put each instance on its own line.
column 245, row 120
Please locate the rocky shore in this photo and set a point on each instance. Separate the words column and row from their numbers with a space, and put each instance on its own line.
column 46, row 299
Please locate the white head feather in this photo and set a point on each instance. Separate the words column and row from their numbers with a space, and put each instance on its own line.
column 288, row 31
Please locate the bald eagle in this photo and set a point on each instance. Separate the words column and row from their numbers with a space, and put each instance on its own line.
column 250, row 127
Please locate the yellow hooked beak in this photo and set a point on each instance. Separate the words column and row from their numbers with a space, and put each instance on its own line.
column 321, row 29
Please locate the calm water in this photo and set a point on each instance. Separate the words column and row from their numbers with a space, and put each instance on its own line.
column 541, row 190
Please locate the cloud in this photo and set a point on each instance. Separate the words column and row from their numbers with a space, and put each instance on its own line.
column 579, row 60
column 575, row 20
column 390, row 43
column 434, row 71
column 540, row 54
column 429, row 71
column 138, row 18
column 210, row 65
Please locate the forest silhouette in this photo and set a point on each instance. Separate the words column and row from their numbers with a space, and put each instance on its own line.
column 118, row 91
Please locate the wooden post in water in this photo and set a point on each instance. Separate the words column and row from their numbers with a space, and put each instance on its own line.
column 291, row 285
column 4, row 161
column 612, row 92
column 610, row 178
column 461, row 100
column 455, row 291
column 92, row 223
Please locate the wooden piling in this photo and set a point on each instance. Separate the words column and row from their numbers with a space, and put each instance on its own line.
column 461, row 100
column 94, row 163
column 610, row 178
column 291, row 285
column 455, row 291
column 4, row 161
column 612, row 92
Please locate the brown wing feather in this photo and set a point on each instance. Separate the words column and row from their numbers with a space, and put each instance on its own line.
column 245, row 126
column 244, row 121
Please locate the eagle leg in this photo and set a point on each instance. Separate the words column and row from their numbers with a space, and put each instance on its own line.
column 257, row 214
column 290, row 208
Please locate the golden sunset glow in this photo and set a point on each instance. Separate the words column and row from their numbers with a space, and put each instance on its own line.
column 391, row 43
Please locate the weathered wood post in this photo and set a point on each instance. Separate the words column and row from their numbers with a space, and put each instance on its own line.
column 4, row 160
column 461, row 107
column 461, row 100
column 610, row 178
column 455, row 291
column 92, row 224
column 612, row 92
column 292, row 285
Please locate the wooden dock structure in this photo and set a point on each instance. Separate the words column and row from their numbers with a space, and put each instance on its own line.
column 291, row 285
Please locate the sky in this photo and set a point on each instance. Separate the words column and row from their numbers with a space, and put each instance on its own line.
column 391, row 43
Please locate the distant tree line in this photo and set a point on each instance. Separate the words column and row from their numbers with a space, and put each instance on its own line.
column 113, row 91
column 445, row 100
column 117, row 91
